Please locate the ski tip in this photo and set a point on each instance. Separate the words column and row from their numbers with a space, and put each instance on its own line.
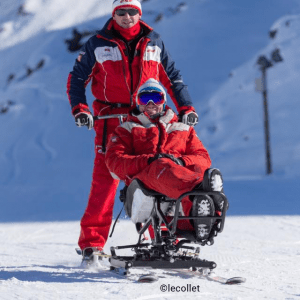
column 235, row 280
column 147, row 279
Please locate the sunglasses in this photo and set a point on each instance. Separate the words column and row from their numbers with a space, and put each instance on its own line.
column 156, row 97
column 122, row 12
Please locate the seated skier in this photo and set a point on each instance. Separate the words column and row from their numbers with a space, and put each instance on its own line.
column 167, row 156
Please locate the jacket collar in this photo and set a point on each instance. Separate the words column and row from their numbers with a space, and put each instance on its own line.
column 107, row 31
column 167, row 118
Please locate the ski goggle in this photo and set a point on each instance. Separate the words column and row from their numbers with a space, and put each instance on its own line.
column 122, row 12
column 156, row 97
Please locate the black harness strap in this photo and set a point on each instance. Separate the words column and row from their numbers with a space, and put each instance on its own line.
column 104, row 136
column 112, row 106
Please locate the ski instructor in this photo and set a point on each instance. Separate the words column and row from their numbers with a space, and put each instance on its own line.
column 117, row 61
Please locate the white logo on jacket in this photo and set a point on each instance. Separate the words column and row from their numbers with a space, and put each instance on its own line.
column 152, row 53
column 104, row 54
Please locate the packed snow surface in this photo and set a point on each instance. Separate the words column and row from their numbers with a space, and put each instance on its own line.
column 46, row 161
column 38, row 261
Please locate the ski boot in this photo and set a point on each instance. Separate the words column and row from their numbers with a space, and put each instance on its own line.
column 91, row 257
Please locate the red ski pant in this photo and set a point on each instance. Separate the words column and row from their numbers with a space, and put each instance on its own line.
column 97, row 218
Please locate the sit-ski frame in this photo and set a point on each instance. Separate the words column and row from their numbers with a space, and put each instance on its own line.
column 164, row 253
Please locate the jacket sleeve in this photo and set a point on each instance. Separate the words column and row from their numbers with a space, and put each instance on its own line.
column 196, row 156
column 120, row 158
column 80, row 77
column 170, row 77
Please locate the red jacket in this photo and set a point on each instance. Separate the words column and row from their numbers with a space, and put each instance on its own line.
column 104, row 61
column 139, row 138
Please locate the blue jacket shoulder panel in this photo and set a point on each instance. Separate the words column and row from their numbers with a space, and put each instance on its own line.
column 178, row 87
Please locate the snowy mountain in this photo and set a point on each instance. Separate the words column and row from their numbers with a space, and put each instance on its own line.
column 46, row 161
column 236, row 131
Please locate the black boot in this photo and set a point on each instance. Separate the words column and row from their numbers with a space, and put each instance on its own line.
column 213, row 182
column 90, row 256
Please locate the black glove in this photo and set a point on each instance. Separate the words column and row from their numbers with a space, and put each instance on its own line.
column 155, row 157
column 178, row 161
column 84, row 119
column 190, row 118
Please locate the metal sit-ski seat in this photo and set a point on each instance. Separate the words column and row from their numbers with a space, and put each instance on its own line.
column 167, row 250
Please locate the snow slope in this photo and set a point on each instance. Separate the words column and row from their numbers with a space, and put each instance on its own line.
column 46, row 161
column 236, row 111
column 38, row 261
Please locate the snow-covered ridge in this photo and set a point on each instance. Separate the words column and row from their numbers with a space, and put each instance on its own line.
column 236, row 110
column 286, row 28
column 47, row 15
column 42, row 150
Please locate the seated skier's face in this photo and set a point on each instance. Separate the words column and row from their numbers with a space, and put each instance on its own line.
column 151, row 108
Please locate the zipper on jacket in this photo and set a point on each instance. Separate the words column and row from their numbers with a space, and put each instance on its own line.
column 124, row 67
column 141, row 68
column 130, row 68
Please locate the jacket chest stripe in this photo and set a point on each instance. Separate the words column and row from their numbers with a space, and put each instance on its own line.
column 104, row 83
column 152, row 53
column 177, row 127
column 104, row 54
column 130, row 125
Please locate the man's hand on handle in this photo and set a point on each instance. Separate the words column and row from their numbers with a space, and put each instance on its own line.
column 84, row 119
column 189, row 117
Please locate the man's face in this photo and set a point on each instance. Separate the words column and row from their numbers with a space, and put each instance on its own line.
column 151, row 108
column 127, row 21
